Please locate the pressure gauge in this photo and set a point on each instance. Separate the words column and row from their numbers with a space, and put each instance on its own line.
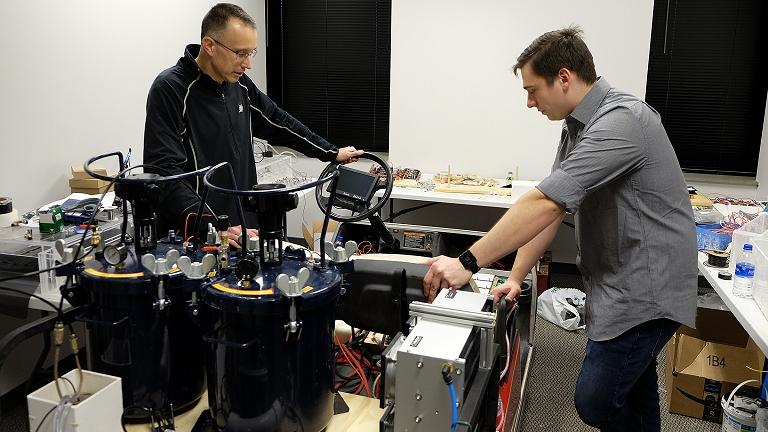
column 115, row 254
column 247, row 269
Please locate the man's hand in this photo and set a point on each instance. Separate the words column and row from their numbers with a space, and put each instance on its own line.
column 444, row 272
column 509, row 289
column 348, row 154
column 234, row 235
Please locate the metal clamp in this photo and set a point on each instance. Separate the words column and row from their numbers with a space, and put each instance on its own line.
column 160, row 267
column 196, row 270
column 292, row 287
column 341, row 254
column 66, row 254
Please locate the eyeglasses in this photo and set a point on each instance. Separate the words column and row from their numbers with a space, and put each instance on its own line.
column 242, row 54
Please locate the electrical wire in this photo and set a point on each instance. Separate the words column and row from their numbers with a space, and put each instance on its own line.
column 506, row 365
column 454, row 409
column 356, row 365
column 47, row 302
column 39, row 425
column 464, row 423
column 187, row 237
column 500, row 425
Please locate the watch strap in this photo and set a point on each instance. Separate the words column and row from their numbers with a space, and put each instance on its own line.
column 468, row 260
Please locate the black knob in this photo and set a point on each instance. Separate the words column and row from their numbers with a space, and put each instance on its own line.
column 247, row 268
column 222, row 223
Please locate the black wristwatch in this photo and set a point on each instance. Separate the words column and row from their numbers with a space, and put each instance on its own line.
column 469, row 261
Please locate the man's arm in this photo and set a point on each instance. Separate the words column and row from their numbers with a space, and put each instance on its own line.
column 526, row 258
column 282, row 129
column 528, row 217
column 520, row 224
column 164, row 149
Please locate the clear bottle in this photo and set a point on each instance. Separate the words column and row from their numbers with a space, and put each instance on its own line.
column 744, row 274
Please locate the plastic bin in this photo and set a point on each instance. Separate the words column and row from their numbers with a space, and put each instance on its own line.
column 708, row 239
column 100, row 411
column 756, row 228
column 760, row 282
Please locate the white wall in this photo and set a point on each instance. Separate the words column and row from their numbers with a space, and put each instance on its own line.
column 75, row 76
column 454, row 98
column 74, row 82
column 455, row 101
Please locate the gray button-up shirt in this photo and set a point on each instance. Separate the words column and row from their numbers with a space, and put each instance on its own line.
column 616, row 171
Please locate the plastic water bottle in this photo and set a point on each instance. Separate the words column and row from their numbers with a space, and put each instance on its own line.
column 745, row 274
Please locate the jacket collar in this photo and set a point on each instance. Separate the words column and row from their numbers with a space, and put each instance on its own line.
column 188, row 63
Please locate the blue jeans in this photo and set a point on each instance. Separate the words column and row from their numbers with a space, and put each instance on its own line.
column 617, row 389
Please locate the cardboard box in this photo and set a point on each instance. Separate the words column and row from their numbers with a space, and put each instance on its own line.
column 313, row 238
column 91, row 191
column 87, row 183
column 78, row 172
column 707, row 363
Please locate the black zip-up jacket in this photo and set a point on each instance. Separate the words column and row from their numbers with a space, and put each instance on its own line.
column 193, row 121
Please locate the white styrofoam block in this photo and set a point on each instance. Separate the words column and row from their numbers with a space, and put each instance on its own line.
column 100, row 411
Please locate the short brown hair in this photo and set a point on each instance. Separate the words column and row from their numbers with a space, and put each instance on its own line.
column 216, row 19
column 556, row 50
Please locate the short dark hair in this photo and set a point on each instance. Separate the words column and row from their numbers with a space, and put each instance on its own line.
column 559, row 49
column 216, row 19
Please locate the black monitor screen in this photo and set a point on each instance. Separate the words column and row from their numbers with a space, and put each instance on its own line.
column 358, row 185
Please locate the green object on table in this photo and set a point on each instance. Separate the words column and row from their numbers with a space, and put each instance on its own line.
column 51, row 220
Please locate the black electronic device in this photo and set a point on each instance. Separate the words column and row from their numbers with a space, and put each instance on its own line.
column 354, row 185
column 388, row 285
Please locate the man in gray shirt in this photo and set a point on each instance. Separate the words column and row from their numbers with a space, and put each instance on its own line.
column 617, row 172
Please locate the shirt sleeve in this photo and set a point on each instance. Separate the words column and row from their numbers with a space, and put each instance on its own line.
column 610, row 148
column 280, row 128
column 165, row 152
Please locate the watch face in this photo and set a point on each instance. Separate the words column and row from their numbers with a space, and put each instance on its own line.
column 467, row 260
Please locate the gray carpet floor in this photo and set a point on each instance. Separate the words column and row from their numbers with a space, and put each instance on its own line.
column 556, row 364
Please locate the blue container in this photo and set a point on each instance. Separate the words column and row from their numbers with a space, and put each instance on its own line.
column 260, row 377
column 707, row 238
column 156, row 353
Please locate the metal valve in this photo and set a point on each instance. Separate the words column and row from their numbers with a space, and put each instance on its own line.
column 341, row 254
column 196, row 270
column 212, row 237
column 252, row 244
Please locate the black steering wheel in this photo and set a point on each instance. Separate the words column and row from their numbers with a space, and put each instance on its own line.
column 360, row 206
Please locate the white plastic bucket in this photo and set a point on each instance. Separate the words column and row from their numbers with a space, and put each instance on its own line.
column 735, row 419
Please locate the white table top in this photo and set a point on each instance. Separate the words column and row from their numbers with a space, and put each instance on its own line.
column 745, row 310
column 519, row 187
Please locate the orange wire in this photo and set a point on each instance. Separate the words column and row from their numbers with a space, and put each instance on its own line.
column 355, row 365
column 186, row 222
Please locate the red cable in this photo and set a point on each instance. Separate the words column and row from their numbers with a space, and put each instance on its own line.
column 186, row 222
column 355, row 365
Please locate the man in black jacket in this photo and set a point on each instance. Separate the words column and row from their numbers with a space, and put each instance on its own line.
column 205, row 110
